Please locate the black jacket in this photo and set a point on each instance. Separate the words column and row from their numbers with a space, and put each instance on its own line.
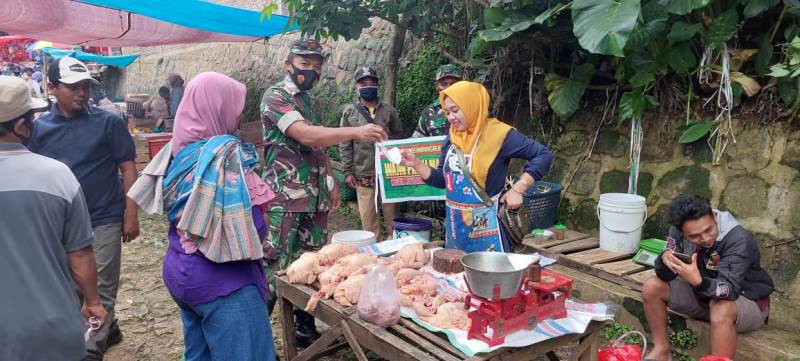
column 736, row 257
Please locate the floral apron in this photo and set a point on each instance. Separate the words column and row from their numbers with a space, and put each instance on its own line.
column 470, row 225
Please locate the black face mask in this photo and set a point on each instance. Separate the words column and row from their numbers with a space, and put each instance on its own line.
column 25, row 140
column 304, row 79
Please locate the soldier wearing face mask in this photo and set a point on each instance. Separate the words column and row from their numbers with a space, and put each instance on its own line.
column 358, row 158
column 297, row 168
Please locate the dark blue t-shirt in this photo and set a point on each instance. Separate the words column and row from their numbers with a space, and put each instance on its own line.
column 93, row 144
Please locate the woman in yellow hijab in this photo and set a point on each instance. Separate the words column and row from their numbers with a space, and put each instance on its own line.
column 473, row 168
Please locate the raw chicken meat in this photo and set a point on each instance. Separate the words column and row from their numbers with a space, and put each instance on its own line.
column 305, row 269
column 425, row 305
column 328, row 280
column 346, row 293
column 423, row 284
column 412, row 256
column 450, row 315
column 332, row 252
column 393, row 266
column 405, row 275
column 354, row 262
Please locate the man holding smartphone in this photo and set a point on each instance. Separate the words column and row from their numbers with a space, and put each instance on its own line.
column 710, row 271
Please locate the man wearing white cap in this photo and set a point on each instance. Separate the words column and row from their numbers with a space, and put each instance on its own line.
column 96, row 145
column 45, row 243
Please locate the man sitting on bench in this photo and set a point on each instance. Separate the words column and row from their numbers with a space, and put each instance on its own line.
column 709, row 271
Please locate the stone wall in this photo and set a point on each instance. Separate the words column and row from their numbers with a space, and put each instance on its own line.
column 758, row 181
column 258, row 64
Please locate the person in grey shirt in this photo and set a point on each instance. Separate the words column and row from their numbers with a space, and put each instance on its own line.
column 45, row 244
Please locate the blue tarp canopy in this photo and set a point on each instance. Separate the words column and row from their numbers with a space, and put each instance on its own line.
column 203, row 15
column 118, row 61
column 136, row 22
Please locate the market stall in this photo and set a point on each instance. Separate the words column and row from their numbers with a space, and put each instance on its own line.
column 526, row 314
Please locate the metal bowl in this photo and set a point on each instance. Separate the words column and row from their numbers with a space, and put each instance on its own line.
column 495, row 275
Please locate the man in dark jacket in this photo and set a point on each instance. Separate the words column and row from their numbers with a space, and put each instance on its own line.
column 722, row 281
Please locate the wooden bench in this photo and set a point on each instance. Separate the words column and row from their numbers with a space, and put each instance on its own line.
column 608, row 276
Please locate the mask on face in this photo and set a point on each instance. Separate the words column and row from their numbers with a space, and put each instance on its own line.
column 304, row 79
column 368, row 93
column 25, row 140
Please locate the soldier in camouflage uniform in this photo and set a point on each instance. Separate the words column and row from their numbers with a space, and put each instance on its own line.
column 298, row 169
column 432, row 121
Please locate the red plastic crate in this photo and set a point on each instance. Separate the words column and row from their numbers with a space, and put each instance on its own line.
column 156, row 143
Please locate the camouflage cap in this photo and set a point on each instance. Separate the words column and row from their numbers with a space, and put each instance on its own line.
column 448, row 70
column 366, row 72
column 306, row 46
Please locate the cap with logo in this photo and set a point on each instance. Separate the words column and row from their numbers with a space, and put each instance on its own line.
column 366, row 72
column 448, row 70
column 69, row 70
column 15, row 99
column 306, row 46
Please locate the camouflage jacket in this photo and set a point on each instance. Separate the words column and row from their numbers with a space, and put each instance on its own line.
column 432, row 122
column 358, row 158
column 296, row 172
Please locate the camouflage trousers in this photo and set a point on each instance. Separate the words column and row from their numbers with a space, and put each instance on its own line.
column 291, row 234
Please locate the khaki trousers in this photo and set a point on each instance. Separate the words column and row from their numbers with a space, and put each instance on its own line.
column 370, row 220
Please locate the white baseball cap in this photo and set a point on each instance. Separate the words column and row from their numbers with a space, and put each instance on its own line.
column 69, row 70
column 15, row 99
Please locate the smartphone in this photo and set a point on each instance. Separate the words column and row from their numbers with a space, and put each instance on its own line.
column 685, row 258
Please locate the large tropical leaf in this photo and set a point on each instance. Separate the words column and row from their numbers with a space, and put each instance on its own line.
column 683, row 7
column 642, row 79
column 603, row 26
column 755, row 7
column 681, row 57
column 694, row 132
column 681, row 31
column 547, row 14
column 564, row 95
column 493, row 17
column 634, row 103
column 722, row 27
column 645, row 33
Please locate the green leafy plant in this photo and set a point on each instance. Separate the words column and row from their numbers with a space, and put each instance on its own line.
column 681, row 343
column 614, row 330
column 566, row 93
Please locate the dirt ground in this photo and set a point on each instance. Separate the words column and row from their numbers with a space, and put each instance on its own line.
column 147, row 315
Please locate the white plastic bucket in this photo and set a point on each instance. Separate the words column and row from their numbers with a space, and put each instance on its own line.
column 622, row 217
column 354, row 238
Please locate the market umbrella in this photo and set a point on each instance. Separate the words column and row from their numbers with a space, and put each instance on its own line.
column 41, row 44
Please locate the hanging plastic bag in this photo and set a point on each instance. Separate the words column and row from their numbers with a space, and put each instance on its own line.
column 624, row 352
column 379, row 301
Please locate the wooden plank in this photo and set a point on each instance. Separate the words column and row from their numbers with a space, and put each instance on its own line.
column 333, row 349
column 443, row 343
column 353, row 341
column 579, row 245
column 621, row 268
column 542, row 348
column 385, row 344
column 422, row 343
column 620, row 280
column 640, row 277
column 327, row 311
column 569, row 236
column 597, row 255
column 288, row 328
column 320, row 345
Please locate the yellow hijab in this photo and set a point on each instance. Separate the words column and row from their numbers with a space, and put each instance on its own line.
column 484, row 134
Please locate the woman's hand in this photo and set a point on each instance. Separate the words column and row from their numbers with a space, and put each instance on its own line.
column 512, row 199
column 409, row 159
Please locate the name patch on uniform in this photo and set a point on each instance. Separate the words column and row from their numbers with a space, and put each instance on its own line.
column 713, row 262
column 723, row 290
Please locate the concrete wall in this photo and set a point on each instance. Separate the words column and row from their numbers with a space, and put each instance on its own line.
column 758, row 181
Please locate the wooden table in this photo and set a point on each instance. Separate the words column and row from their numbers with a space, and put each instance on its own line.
column 405, row 341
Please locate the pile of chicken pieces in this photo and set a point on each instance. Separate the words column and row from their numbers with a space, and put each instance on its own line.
column 339, row 271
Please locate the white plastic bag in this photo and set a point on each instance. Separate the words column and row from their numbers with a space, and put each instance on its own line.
column 379, row 301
